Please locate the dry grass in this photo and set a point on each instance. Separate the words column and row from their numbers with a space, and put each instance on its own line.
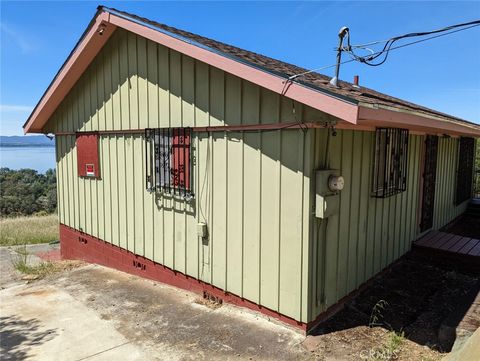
column 40, row 270
column 208, row 303
column 391, row 348
column 44, row 269
column 28, row 230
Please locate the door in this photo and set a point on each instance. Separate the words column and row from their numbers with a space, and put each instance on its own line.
column 429, row 175
column 466, row 157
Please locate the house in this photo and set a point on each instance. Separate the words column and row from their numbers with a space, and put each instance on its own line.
column 202, row 165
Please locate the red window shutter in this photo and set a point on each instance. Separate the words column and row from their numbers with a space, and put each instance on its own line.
column 87, row 155
column 180, row 169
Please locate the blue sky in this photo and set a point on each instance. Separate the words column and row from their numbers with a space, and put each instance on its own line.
column 36, row 38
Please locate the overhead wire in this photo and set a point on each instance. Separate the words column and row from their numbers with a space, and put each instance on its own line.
column 389, row 43
column 388, row 46
column 293, row 77
column 474, row 22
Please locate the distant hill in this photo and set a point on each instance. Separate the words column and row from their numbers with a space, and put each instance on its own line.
column 26, row 141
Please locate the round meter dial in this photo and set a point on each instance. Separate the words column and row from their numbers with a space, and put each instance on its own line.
column 336, row 183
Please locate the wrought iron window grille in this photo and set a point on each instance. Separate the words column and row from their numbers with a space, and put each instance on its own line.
column 168, row 161
column 390, row 162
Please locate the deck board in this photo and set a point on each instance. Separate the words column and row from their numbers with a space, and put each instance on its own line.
column 450, row 243
column 459, row 245
column 426, row 238
column 442, row 240
column 475, row 251
column 469, row 245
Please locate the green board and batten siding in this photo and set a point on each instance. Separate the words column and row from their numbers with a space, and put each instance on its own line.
column 254, row 190
column 368, row 233
column 445, row 188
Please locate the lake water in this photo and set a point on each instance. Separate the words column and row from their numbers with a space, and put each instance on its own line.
column 38, row 158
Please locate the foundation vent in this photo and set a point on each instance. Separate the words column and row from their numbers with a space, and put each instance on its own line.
column 214, row 299
column 139, row 265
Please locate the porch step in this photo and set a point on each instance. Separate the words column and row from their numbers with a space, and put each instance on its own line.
column 449, row 243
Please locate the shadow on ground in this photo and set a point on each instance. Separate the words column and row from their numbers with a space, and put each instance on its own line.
column 18, row 335
column 467, row 226
column 415, row 297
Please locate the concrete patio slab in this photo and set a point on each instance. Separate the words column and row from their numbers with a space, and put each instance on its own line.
column 45, row 323
column 95, row 313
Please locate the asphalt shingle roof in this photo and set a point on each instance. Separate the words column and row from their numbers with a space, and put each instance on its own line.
column 319, row 81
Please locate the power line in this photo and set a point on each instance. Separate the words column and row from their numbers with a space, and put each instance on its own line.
column 389, row 43
column 388, row 46
column 451, row 27
column 293, row 77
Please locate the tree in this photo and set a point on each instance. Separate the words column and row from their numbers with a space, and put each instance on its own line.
column 25, row 192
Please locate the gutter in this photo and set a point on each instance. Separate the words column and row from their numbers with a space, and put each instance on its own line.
column 378, row 115
column 462, row 122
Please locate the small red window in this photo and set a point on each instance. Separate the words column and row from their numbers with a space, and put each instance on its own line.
column 87, row 155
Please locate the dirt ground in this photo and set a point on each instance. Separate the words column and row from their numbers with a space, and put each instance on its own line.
column 140, row 318
column 418, row 293
column 416, row 298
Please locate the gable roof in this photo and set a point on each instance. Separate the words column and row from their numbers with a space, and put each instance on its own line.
column 359, row 106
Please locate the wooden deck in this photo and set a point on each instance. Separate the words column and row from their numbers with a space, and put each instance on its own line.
column 450, row 243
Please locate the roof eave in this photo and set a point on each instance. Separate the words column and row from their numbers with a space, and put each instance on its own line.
column 382, row 116
column 85, row 51
column 356, row 114
column 327, row 102
column 92, row 43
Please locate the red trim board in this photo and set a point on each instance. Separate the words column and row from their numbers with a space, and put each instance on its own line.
column 329, row 104
column 71, row 71
column 104, row 24
column 79, row 245
column 94, row 41
column 246, row 127
column 393, row 118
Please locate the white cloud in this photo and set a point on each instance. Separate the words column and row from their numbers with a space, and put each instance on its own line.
column 15, row 108
column 25, row 45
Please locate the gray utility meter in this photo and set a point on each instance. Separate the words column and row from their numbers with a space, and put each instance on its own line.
column 328, row 185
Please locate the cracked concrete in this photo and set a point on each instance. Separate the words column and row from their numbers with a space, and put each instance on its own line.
column 42, row 322
column 95, row 313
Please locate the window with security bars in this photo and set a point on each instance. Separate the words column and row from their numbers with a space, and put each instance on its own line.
column 168, row 161
column 465, row 169
column 390, row 165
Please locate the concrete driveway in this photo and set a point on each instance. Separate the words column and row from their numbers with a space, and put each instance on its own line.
column 95, row 313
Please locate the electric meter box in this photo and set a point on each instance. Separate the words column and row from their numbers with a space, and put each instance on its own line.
column 202, row 230
column 327, row 202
